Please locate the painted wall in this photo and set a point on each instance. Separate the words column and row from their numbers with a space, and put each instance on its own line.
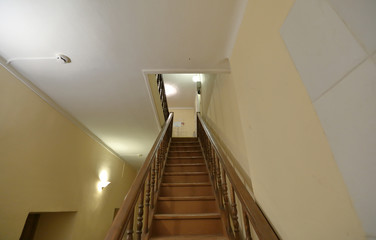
column 341, row 81
column 47, row 164
column 187, row 118
column 264, row 115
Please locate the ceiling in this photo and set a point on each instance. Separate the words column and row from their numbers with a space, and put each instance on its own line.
column 113, row 45
column 185, row 90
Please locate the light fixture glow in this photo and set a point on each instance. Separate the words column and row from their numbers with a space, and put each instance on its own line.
column 170, row 90
column 196, row 78
column 103, row 176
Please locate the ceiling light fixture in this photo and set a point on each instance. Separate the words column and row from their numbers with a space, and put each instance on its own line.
column 61, row 58
column 170, row 90
column 196, row 78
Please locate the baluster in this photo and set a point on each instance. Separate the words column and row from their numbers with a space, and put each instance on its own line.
column 212, row 155
column 152, row 182
column 219, row 183
column 247, row 229
column 156, row 172
column 147, row 204
column 140, row 213
column 234, row 213
column 130, row 227
column 214, row 177
column 226, row 200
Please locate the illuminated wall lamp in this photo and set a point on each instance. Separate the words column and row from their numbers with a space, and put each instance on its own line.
column 102, row 185
column 103, row 176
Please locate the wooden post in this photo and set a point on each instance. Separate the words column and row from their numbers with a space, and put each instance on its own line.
column 234, row 213
column 140, row 213
column 130, row 227
column 147, row 204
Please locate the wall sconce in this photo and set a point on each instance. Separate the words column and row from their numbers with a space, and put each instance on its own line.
column 103, row 176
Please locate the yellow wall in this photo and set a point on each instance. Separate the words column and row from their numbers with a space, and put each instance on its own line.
column 264, row 115
column 47, row 164
column 186, row 116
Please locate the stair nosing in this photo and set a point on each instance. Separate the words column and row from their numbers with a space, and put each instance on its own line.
column 169, row 216
column 184, row 164
column 185, row 184
column 184, row 173
column 187, row 198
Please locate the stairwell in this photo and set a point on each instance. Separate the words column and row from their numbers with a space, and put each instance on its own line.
column 186, row 206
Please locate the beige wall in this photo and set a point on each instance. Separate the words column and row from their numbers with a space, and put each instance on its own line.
column 186, row 116
column 265, row 117
column 47, row 164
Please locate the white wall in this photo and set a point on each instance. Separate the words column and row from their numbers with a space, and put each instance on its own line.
column 333, row 46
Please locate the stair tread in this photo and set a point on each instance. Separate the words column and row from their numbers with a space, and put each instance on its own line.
column 186, row 215
column 185, row 173
column 184, row 164
column 191, row 237
column 185, row 184
column 194, row 157
column 186, row 198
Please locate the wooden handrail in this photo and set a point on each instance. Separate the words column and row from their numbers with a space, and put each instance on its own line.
column 221, row 170
column 143, row 190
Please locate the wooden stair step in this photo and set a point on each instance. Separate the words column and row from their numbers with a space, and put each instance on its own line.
column 184, row 173
column 184, row 153
column 185, row 184
column 188, row 167
column 187, row 216
column 186, row 198
column 187, row 237
column 186, row 190
column 182, row 205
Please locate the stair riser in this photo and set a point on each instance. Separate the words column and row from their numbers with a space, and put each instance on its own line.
column 185, row 148
column 185, row 154
column 186, row 191
column 184, row 139
column 201, row 168
column 185, row 160
column 187, row 207
column 185, row 179
column 186, row 227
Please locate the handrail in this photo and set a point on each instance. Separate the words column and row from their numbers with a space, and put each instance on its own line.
column 143, row 191
column 162, row 95
column 221, row 170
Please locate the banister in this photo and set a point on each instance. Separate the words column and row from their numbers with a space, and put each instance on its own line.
column 143, row 178
column 219, row 162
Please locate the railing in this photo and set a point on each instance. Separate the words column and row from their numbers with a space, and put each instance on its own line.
column 133, row 220
column 231, row 192
column 162, row 95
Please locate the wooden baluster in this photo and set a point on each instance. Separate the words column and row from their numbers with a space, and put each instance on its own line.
column 226, row 200
column 212, row 155
column 156, row 172
column 215, row 172
column 147, row 204
column 152, row 182
column 219, row 183
column 130, row 227
column 140, row 213
column 247, row 229
column 234, row 213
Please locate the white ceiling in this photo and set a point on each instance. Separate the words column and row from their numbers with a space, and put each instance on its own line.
column 111, row 43
column 185, row 90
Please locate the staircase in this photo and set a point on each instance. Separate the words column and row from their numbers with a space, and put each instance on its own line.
column 186, row 206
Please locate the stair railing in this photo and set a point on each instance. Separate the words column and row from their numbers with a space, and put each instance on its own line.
column 231, row 192
column 135, row 214
column 162, row 95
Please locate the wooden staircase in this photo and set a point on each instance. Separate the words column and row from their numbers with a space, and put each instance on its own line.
column 186, row 206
